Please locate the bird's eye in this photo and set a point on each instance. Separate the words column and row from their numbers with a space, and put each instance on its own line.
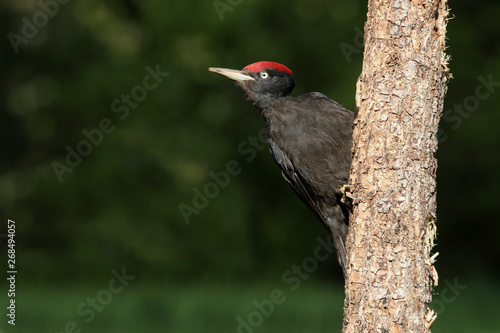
column 264, row 75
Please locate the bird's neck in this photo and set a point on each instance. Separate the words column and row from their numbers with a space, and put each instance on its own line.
column 276, row 115
column 263, row 102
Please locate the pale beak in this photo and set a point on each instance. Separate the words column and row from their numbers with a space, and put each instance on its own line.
column 233, row 74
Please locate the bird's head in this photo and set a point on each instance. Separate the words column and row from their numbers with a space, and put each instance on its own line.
column 263, row 82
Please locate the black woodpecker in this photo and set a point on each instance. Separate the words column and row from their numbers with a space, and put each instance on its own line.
column 310, row 138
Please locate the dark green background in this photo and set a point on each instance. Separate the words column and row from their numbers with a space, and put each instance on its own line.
column 120, row 206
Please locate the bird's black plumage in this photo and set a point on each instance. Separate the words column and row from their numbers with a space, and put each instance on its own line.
column 310, row 138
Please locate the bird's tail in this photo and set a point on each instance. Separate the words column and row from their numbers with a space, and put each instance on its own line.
column 336, row 222
column 341, row 253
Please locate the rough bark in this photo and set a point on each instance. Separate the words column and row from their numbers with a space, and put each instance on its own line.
column 393, row 179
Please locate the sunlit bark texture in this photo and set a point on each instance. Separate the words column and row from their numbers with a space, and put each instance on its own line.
column 393, row 179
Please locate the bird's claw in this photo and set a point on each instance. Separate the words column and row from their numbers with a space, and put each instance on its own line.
column 347, row 198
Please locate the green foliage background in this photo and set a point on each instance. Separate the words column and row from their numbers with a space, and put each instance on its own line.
column 120, row 206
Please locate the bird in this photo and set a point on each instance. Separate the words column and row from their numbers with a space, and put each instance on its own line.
column 309, row 137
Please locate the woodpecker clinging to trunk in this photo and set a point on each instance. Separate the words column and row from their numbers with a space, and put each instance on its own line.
column 310, row 138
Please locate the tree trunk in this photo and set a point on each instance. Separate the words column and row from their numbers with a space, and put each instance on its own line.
column 393, row 179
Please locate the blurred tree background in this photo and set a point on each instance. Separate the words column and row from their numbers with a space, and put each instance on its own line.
column 78, row 69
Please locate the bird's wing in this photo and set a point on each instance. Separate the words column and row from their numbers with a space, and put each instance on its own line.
column 295, row 180
column 298, row 184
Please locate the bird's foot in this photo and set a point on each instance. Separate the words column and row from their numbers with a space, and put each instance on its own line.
column 347, row 198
